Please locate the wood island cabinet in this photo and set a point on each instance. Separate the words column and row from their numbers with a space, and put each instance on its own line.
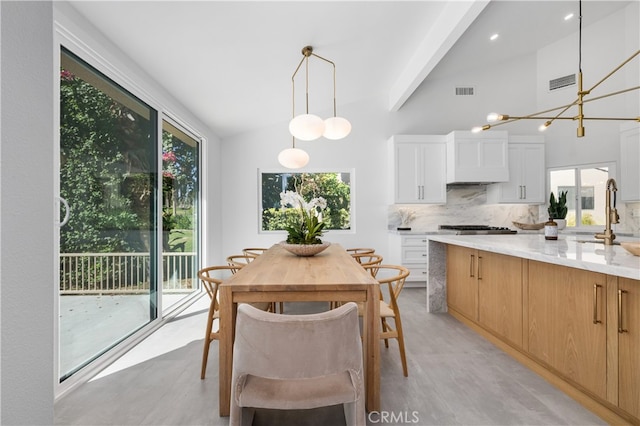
column 567, row 323
column 628, row 333
column 500, row 295
column 487, row 288
column 579, row 329
column 462, row 283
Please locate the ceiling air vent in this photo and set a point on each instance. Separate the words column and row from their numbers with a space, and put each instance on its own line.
column 560, row 82
column 464, row 91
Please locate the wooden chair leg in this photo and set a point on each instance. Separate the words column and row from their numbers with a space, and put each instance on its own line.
column 207, row 343
column 385, row 328
column 403, row 356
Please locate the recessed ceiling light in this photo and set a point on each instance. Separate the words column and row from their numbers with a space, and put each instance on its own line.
column 493, row 37
column 569, row 16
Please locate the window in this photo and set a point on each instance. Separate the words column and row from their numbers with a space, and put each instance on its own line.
column 335, row 187
column 586, row 192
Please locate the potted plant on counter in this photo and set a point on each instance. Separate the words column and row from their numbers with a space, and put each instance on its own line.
column 304, row 229
column 558, row 209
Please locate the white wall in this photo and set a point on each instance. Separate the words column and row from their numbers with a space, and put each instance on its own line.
column 364, row 150
column 26, row 261
column 605, row 45
column 511, row 87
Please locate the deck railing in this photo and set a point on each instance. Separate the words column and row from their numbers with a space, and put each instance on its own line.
column 107, row 273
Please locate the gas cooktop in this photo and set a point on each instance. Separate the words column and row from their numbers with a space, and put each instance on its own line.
column 476, row 229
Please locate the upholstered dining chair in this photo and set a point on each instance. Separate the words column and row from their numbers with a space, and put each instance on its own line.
column 391, row 279
column 297, row 362
column 211, row 277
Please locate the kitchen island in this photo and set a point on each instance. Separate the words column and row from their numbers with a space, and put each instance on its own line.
column 567, row 309
column 566, row 251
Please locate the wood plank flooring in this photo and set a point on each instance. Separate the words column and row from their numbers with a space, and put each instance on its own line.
column 455, row 378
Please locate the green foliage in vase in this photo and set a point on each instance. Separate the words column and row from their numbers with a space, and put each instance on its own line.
column 306, row 227
column 558, row 208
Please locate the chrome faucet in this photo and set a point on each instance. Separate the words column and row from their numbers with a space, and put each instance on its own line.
column 611, row 214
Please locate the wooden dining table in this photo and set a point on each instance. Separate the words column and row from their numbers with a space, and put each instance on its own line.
column 279, row 276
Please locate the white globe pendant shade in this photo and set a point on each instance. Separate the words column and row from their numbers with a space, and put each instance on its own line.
column 306, row 127
column 336, row 128
column 293, row 158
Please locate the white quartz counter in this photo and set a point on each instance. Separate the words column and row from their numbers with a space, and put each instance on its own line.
column 566, row 251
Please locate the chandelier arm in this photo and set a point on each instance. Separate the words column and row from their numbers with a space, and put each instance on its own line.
column 306, row 66
column 613, row 94
column 335, row 114
column 536, row 115
column 614, row 71
column 293, row 88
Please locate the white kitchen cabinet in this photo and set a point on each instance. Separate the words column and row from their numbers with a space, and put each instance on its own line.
column 409, row 251
column 629, row 186
column 417, row 167
column 477, row 157
column 526, row 183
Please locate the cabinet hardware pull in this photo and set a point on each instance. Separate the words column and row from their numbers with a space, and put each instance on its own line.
column 471, row 262
column 424, row 254
column 595, row 304
column 479, row 269
column 620, row 329
column 520, row 191
column 422, row 191
column 524, row 197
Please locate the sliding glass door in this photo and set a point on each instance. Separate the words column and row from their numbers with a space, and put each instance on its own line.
column 129, row 190
column 180, row 214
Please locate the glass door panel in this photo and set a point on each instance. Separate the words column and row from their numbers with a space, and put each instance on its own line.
column 108, row 248
column 180, row 213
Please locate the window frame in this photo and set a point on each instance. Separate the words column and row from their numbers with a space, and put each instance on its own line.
column 612, row 172
column 352, row 198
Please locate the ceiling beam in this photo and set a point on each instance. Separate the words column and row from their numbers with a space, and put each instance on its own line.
column 450, row 25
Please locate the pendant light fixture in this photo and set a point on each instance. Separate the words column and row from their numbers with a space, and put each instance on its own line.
column 308, row 127
column 293, row 158
column 501, row 119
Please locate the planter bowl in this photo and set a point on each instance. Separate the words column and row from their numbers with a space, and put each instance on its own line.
column 305, row 250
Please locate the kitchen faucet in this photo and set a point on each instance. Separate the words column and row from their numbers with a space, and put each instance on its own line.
column 611, row 214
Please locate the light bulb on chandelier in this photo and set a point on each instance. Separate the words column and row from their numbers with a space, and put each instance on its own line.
column 306, row 127
column 293, row 158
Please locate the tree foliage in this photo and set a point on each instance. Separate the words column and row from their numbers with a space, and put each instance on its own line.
column 106, row 171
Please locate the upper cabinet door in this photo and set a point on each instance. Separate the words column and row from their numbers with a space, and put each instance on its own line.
column 481, row 157
column 526, row 183
column 417, row 167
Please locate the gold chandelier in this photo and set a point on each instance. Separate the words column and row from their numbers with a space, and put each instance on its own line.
column 500, row 119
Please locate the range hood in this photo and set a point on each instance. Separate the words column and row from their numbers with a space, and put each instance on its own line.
column 474, row 158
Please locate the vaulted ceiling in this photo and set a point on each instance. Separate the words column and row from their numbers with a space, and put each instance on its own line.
column 231, row 62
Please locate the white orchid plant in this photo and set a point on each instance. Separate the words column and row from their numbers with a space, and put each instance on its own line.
column 308, row 227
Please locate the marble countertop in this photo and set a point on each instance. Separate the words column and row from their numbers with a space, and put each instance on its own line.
column 566, row 251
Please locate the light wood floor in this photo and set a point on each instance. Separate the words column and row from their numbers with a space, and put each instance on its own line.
column 455, row 378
